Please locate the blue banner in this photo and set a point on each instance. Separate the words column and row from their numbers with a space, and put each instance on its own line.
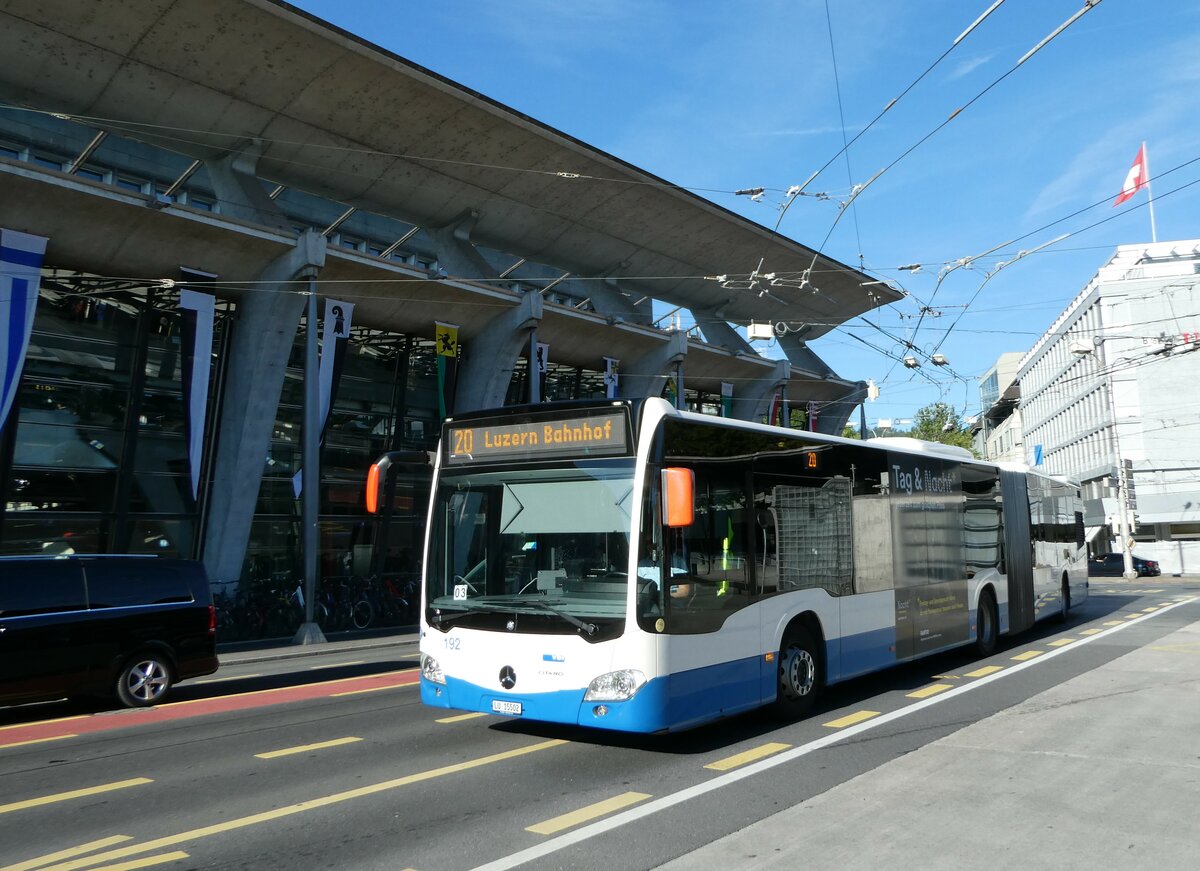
column 199, row 315
column 20, row 277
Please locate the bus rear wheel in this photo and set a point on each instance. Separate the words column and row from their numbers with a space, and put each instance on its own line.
column 1064, row 600
column 986, row 624
column 799, row 681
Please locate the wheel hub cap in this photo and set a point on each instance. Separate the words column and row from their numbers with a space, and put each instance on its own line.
column 798, row 671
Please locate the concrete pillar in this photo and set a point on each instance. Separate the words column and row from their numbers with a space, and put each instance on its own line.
column 752, row 401
column 718, row 332
column 833, row 416
column 455, row 253
column 240, row 191
column 617, row 304
column 645, row 376
column 802, row 357
column 485, row 373
column 262, row 339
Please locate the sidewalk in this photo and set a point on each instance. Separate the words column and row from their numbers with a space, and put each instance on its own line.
column 1102, row 771
column 240, row 653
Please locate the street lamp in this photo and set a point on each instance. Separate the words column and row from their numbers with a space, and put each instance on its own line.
column 1083, row 349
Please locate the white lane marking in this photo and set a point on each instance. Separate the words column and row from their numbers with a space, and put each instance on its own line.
column 667, row 801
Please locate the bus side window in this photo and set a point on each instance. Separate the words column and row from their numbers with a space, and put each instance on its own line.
column 710, row 560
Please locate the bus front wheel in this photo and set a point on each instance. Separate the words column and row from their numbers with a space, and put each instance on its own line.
column 799, row 681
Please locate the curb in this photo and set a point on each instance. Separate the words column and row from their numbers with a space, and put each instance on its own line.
column 272, row 654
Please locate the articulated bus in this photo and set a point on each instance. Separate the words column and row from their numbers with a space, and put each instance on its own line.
column 629, row 566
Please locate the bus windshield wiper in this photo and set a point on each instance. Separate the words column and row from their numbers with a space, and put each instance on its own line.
column 589, row 628
column 468, row 609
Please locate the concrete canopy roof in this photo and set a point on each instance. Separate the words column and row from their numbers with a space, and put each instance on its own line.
column 342, row 118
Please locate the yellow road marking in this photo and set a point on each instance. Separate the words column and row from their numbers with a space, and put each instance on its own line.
column 851, row 719
column 460, row 718
column 1112, row 622
column 752, row 755
column 985, row 671
column 585, row 814
column 300, row 807
column 222, row 679
column 931, row 690
column 1060, row 642
column 1028, row 654
column 337, row 664
column 1149, row 610
column 36, row 741
column 1090, row 631
column 69, row 853
column 1132, row 616
column 74, row 793
column 291, row 751
column 144, row 863
column 945, row 677
column 1179, row 648
column 394, row 686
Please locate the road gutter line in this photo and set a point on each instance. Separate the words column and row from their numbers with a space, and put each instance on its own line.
column 631, row 816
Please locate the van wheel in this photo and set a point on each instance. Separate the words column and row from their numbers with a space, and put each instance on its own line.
column 986, row 624
column 799, row 681
column 144, row 680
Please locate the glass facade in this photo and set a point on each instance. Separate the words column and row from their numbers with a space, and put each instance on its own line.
column 97, row 460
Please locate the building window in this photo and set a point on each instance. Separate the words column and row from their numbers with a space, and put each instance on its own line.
column 91, row 174
column 48, row 162
column 130, row 184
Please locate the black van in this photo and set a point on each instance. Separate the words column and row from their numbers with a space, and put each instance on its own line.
column 128, row 626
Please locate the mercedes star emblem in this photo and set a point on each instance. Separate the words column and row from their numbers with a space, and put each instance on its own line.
column 508, row 677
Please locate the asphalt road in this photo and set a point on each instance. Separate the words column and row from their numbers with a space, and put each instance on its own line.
column 331, row 762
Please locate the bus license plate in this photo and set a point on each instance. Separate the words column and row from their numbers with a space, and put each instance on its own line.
column 511, row 708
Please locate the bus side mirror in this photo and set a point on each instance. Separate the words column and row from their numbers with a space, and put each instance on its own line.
column 375, row 476
column 678, row 497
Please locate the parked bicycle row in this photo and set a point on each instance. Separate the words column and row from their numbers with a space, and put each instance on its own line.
column 274, row 607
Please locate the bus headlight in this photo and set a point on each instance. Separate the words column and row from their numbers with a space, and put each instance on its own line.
column 431, row 669
column 616, row 686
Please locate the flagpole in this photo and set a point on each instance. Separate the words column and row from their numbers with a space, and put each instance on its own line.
column 1149, row 193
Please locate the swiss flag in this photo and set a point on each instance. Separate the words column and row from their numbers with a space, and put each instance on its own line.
column 1136, row 179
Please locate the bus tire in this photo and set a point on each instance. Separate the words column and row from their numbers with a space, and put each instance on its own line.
column 1064, row 600
column 799, row 680
column 987, row 625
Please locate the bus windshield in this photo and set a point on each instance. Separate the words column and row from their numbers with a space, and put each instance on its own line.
column 535, row 550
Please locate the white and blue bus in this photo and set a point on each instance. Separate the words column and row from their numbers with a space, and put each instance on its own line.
column 630, row 566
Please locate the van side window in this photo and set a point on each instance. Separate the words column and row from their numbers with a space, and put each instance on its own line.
column 144, row 582
column 41, row 588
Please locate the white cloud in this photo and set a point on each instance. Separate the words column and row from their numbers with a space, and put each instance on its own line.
column 968, row 66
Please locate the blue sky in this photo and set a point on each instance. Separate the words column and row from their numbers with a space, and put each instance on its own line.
column 730, row 95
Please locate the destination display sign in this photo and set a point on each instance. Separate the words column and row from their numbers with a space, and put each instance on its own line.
column 591, row 434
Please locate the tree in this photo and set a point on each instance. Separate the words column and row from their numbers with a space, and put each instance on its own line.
column 939, row 422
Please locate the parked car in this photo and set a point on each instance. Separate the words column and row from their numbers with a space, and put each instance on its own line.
column 1113, row 565
column 126, row 626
